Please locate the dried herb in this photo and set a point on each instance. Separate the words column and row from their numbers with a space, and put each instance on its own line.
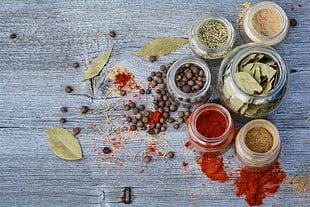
column 256, row 74
column 96, row 66
column 160, row 47
column 63, row 143
column 213, row 34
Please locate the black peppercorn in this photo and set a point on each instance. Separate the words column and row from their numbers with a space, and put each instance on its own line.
column 129, row 119
column 152, row 59
column 84, row 109
column 176, row 126
column 148, row 91
column 132, row 105
column 106, row 150
column 126, row 107
column 68, row 89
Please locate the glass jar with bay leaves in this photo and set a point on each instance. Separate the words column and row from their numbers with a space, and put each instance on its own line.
column 189, row 81
column 211, row 36
column 252, row 80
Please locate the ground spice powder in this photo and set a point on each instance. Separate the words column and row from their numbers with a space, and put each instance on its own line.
column 211, row 124
column 258, row 139
column 213, row 168
column 267, row 22
column 257, row 186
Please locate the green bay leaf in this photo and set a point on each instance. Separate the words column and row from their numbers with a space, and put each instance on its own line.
column 247, row 83
column 96, row 66
column 160, row 46
column 63, row 143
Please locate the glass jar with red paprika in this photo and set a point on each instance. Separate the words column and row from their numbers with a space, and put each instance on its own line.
column 210, row 129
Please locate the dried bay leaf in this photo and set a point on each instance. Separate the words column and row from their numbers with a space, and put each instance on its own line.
column 63, row 143
column 96, row 66
column 160, row 46
column 247, row 83
column 247, row 60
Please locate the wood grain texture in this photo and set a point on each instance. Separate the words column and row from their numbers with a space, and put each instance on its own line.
column 36, row 66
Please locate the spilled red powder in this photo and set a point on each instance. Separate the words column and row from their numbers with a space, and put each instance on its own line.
column 184, row 164
column 153, row 151
column 213, row 168
column 257, row 186
column 155, row 116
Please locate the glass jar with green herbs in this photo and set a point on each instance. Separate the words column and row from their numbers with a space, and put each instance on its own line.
column 253, row 80
column 211, row 36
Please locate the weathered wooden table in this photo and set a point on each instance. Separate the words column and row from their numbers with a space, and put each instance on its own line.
column 37, row 65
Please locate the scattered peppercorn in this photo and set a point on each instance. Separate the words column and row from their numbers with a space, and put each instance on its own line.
column 75, row 131
column 12, row 36
column 148, row 91
column 75, row 65
column 176, row 126
column 170, row 155
column 293, row 22
column 142, row 91
column 84, row 109
column 62, row 120
column 132, row 105
column 63, row 109
column 293, row 71
column 122, row 92
column 146, row 159
column 152, row 59
column 106, row 150
column 129, row 119
column 126, row 107
column 112, row 34
column 68, row 89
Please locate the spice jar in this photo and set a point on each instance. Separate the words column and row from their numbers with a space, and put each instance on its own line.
column 211, row 36
column 257, row 146
column 186, row 70
column 210, row 129
column 265, row 22
column 260, row 98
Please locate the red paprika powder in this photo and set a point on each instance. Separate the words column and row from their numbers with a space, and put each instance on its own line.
column 210, row 129
column 257, row 186
column 213, row 168
column 211, row 124
column 155, row 116
column 124, row 79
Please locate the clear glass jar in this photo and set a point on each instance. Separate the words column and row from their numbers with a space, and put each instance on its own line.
column 207, row 146
column 189, row 99
column 252, row 161
column 235, row 98
column 248, row 31
column 199, row 49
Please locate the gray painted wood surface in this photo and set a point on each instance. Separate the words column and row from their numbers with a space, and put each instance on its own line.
column 36, row 66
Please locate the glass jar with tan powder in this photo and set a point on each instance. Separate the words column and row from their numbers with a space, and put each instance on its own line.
column 265, row 22
column 257, row 146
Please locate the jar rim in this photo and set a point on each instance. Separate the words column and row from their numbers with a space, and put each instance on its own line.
column 255, row 36
column 195, row 42
column 212, row 107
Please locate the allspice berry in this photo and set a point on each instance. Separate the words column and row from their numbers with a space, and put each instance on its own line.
column 75, row 65
column 75, row 131
column 112, row 34
column 12, row 36
column 62, row 120
column 170, row 155
column 152, row 59
column 84, row 109
column 68, row 89
column 63, row 109
column 106, row 150
column 146, row 159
